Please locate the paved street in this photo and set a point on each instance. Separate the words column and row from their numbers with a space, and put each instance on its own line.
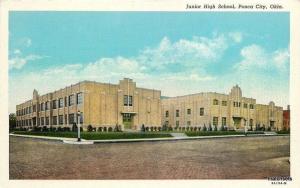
column 222, row 158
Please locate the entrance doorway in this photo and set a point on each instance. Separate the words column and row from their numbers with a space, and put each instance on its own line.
column 127, row 120
column 272, row 125
column 237, row 122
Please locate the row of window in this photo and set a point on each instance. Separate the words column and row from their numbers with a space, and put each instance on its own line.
column 188, row 111
column 56, row 120
column 59, row 103
column 235, row 104
column 215, row 122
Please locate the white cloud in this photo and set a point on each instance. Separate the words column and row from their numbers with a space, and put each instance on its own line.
column 255, row 57
column 236, row 36
column 176, row 68
column 18, row 62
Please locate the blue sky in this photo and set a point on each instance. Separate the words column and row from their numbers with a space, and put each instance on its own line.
column 176, row 52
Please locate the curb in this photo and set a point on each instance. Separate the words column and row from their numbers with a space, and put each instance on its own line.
column 87, row 142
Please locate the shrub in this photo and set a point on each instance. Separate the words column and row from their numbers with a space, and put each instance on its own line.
column 117, row 128
column 215, row 128
column 195, row 128
column 74, row 127
column 66, row 129
column 159, row 129
column 151, row 128
column 105, row 129
column 89, row 128
column 170, row 128
column 59, row 129
column 143, row 128
column 44, row 129
column 199, row 128
column 204, row 128
column 110, row 129
column 36, row 129
column 147, row 129
column 99, row 129
column 209, row 127
column 183, row 128
column 52, row 129
column 269, row 129
column 155, row 128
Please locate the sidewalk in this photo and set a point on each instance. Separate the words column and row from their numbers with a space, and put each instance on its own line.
column 175, row 138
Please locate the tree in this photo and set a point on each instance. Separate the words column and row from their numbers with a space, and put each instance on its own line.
column 89, row 128
column 12, row 121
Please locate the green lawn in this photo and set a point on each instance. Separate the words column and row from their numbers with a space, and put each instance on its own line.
column 214, row 133
column 97, row 135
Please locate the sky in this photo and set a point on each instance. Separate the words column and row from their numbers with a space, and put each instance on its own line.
column 176, row 52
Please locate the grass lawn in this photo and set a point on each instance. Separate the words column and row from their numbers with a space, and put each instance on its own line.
column 214, row 133
column 97, row 135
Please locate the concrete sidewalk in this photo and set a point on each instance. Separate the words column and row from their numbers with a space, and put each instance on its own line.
column 175, row 138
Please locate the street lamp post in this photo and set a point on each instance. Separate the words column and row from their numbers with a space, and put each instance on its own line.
column 78, row 127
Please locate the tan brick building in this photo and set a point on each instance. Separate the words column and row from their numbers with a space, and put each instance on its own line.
column 100, row 105
column 232, row 111
column 105, row 105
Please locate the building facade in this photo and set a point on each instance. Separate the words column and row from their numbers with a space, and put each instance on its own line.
column 232, row 111
column 99, row 104
column 107, row 105
column 286, row 118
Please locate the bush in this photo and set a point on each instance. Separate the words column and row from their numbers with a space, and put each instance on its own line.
column 110, row 129
column 204, row 128
column 155, row 128
column 147, row 129
column 209, row 127
column 269, row 129
column 52, row 129
column 59, row 129
column 99, row 129
column 159, row 128
column 74, row 127
column 67, row 129
column 37, row 129
column 170, row 128
column 183, row 128
column 105, row 129
column 215, row 128
column 151, row 129
column 143, row 128
column 45, row 129
column 89, row 128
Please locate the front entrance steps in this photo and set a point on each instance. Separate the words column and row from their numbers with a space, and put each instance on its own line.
column 130, row 131
column 179, row 135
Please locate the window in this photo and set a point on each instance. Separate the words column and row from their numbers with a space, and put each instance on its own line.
column 215, row 121
column 66, row 119
column 251, row 106
column 201, row 111
column 42, row 107
column 127, row 100
column 130, row 101
column 71, row 100
column 224, row 103
column 224, row 121
column 188, row 123
column 245, row 105
column 236, row 104
column 60, row 103
column 177, row 123
column 42, row 121
column 54, row 104
column 215, row 102
column 177, row 113
column 188, row 111
column 60, row 119
column 34, row 108
column 47, row 120
column 54, row 120
column 47, row 105
column 71, row 118
column 79, row 98
column 167, row 113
